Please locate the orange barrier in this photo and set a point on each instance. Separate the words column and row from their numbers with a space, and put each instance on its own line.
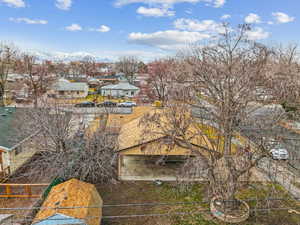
column 26, row 190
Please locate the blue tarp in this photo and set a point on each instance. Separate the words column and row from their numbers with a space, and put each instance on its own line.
column 60, row 219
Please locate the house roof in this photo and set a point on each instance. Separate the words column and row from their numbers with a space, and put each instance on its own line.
column 133, row 133
column 114, row 120
column 9, row 135
column 136, row 132
column 65, row 85
column 72, row 193
column 120, row 86
column 107, row 77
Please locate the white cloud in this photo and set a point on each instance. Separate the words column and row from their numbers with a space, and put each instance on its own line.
column 155, row 12
column 14, row 3
column 27, row 20
column 281, row 17
column 196, row 25
column 149, row 2
column 219, row 3
column 257, row 34
column 225, row 17
column 189, row 11
column 63, row 4
column 102, row 29
column 74, row 27
column 169, row 3
column 169, row 39
column 252, row 18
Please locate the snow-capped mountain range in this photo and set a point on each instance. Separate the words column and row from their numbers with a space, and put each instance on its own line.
column 67, row 57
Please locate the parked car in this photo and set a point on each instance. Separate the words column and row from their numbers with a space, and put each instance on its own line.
column 107, row 104
column 279, row 154
column 127, row 104
column 85, row 104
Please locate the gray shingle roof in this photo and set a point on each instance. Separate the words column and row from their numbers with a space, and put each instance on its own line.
column 63, row 85
column 9, row 133
column 120, row 86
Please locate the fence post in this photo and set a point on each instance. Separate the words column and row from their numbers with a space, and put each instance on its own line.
column 28, row 190
column 8, row 189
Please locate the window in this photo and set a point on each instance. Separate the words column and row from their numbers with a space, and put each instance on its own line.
column 61, row 92
column 78, row 92
column 132, row 93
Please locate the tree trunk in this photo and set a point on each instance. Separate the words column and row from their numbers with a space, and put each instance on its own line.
column 2, row 103
column 35, row 103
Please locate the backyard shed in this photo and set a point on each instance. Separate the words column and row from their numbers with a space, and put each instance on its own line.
column 57, row 208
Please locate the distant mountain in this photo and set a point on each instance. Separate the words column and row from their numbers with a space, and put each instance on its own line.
column 67, row 57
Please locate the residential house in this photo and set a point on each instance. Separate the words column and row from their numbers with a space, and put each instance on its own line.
column 108, row 79
column 15, row 147
column 66, row 89
column 144, row 155
column 93, row 83
column 13, row 77
column 139, row 153
column 122, row 89
column 76, row 77
column 57, row 208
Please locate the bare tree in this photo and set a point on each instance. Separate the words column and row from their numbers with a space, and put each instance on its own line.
column 159, row 78
column 128, row 65
column 36, row 75
column 210, row 100
column 61, row 69
column 7, row 62
column 88, row 65
column 67, row 148
column 74, row 68
column 284, row 75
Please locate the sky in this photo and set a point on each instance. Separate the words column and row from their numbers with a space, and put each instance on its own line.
column 147, row 29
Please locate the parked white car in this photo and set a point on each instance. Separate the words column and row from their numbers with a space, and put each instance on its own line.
column 279, row 153
column 127, row 104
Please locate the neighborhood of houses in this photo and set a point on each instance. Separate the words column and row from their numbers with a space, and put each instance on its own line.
column 139, row 154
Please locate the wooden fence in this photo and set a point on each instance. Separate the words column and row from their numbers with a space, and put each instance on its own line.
column 22, row 190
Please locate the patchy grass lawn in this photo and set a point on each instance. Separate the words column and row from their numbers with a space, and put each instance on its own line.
column 147, row 192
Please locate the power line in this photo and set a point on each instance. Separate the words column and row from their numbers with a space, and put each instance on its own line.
column 142, row 204
column 159, row 214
